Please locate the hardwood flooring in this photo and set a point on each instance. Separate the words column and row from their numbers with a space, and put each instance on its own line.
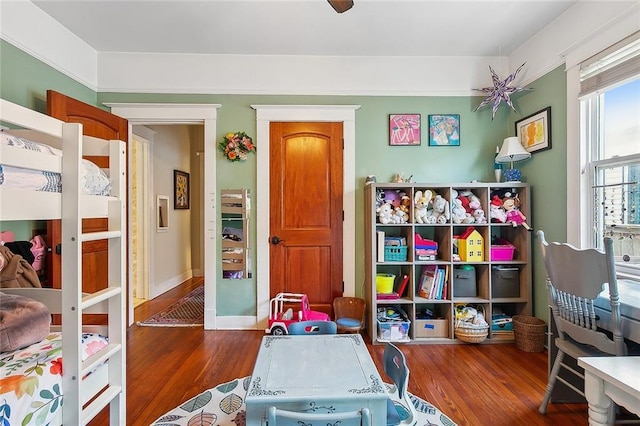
column 473, row 384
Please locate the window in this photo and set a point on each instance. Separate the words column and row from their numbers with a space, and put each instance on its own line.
column 610, row 130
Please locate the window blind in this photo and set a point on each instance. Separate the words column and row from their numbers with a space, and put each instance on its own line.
column 615, row 65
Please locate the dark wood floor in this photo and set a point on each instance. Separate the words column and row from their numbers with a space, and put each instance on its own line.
column 473, row 384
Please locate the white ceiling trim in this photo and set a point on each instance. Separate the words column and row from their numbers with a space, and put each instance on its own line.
column 303, row 75
column 27, row 27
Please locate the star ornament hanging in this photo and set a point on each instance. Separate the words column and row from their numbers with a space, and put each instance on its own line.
column 501, row 91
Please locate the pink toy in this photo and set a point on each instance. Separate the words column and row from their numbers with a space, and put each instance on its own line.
column 514, row 215
column 279, row 318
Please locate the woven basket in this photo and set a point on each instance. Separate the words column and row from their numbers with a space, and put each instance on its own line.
column 471, row 333
column 529, row 333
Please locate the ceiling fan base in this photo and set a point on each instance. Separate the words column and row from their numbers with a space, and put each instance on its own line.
column 341, row 6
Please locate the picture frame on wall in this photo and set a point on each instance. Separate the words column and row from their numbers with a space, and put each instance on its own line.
column 534, row 131
column 180, row 190
column 444, row 130
column 404, row 129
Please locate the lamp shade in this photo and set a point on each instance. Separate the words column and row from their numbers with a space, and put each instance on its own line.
column 511, row 151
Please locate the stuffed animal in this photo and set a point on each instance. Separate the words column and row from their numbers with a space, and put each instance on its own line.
column 479, row 216
column 385, row 213
column 513, row 214
column 421, row 205
column 458, row 213
column 400, row 216
column 497, row 214
column 440, row 212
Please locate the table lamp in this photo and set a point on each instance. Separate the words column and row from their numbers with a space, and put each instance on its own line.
column 511, row 152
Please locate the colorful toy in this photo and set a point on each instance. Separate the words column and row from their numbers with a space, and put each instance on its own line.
column 279, row 318
column 513, row 214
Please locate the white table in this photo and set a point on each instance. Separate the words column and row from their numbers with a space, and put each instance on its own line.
column 608, row 379
column 325, row 373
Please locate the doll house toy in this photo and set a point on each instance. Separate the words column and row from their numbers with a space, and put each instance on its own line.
column 280, row 318
column 471, row 246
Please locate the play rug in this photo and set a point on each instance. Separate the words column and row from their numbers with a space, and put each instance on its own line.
column 186, row 312
column 224, row 406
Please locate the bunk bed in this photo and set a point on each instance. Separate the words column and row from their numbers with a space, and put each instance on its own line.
column 90, row 381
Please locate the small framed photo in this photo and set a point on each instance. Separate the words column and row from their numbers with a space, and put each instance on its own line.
column 404, row 129
column 534, row 131
column 180, row 190
column 444, row 130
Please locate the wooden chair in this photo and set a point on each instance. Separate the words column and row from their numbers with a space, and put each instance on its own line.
column 395, row 366
column 349, row 313
column 277, row 417
column 575, row 277
column 310, row 328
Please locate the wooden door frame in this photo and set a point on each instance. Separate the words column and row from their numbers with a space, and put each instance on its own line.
column 265, row 114
column 205, row 114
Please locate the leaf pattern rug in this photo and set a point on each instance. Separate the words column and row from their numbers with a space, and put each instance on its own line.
column 224, row 406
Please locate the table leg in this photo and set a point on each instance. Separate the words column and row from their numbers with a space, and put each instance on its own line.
column 600, row 405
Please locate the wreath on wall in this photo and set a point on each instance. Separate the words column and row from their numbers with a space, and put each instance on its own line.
column 236, row 146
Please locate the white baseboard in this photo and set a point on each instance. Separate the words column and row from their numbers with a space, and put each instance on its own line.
column 157, row 289
column 235, row 323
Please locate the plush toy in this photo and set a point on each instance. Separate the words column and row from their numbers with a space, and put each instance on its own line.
column 421, row 205
column 497, row 214
column 440, row 212
column 513, row 214
column 458, row 213
column 479, row 216
column 385, row 213
column 400, row 216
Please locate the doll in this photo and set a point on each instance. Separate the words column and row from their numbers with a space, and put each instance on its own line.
column 514, row 215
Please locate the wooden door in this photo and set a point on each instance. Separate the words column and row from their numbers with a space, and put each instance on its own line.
column 306, row 181
column 101, row 124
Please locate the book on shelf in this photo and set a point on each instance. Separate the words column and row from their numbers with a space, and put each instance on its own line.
column 427, row 280
column 380, row 245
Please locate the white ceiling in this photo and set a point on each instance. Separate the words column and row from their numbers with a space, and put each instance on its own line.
column 307, row 27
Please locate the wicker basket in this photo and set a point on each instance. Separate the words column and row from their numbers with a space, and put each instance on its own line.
column 529, row 333
column 469, row 332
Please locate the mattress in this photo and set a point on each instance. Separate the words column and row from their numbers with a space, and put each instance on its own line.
column 31, row 380
column 93, row 180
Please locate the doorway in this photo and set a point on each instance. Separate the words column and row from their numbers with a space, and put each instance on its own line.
column 265, row 115
column 140, row 219
column 206, row 115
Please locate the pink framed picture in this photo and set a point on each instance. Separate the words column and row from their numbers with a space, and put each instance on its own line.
column 404, row 129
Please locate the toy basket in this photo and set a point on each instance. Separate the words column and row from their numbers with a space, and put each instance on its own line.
column 469, row 332
column 395, row 253
column 529, row 333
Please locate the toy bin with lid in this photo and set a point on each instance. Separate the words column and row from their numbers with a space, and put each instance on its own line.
column 384, row 283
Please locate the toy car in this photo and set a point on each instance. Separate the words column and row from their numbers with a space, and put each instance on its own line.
column 279, row 318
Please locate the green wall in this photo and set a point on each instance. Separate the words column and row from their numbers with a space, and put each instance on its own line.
column 546, row 171
column 472, row 160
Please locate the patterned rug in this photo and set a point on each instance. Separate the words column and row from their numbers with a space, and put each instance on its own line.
column 186, row 312
column 224, row 406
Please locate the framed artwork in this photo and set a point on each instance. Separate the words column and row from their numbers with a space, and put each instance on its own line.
column 534, row 131
column 180, row 190
column 404, row 129
column 444, row 130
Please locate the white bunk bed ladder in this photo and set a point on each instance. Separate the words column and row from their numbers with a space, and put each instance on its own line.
column 74, row 302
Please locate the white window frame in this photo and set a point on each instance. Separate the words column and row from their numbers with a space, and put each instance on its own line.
column 580, row 218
